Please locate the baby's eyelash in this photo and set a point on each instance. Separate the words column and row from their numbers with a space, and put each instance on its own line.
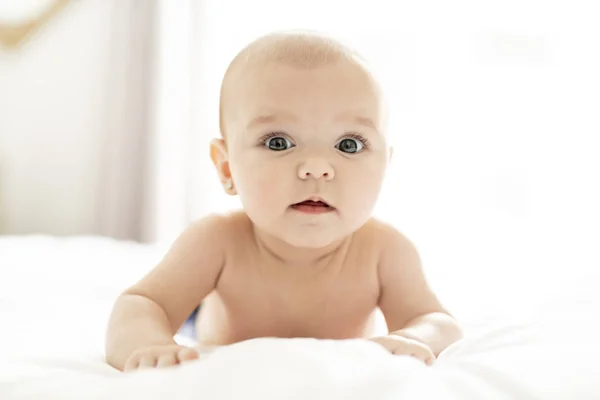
column 358, row 136
column 354, row 135
column 263, row 139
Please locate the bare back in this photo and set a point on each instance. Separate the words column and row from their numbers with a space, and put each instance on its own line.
column 257, row 295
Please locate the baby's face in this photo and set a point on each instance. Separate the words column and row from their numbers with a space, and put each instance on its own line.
column 307, row 134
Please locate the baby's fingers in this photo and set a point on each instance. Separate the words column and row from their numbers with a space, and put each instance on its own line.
column 147, row 362
column 131, row 364
column 187, row 355
column 419, row 352
column 166, row 360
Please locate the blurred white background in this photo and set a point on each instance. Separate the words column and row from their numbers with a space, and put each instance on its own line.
column 106, row 114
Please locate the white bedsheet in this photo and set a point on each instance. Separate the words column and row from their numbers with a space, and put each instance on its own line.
column 56, row 295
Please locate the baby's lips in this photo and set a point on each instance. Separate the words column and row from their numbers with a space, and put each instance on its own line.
column 314, row 201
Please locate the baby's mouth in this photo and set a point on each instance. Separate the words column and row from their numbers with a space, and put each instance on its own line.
column 312, row 207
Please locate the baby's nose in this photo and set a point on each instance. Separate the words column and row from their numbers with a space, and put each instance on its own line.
column 316, row 168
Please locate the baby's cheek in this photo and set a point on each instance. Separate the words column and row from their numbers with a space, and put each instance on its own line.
column 273, row 175
column 246, row 175
column 262, row 189
column 366, row 184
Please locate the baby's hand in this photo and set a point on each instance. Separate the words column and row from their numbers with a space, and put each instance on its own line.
column 159, row 356
column 399, row 345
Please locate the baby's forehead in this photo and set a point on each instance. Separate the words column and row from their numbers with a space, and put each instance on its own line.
column 303, row 52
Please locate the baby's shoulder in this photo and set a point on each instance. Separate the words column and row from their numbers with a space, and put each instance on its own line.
column 224, row 225
column 382, row 234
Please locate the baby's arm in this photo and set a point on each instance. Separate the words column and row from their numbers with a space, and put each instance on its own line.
column 411, row 309
column 147, row 316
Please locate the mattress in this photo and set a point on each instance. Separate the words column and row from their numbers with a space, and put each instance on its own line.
column 56, row 295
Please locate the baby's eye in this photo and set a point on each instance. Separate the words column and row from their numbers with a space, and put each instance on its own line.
column 278, row 143
column 350, row 145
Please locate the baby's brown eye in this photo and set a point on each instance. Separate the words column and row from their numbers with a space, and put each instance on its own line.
column 350, row 145
column 278, row 143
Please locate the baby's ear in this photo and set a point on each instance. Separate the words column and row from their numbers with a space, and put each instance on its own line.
column 220, row 158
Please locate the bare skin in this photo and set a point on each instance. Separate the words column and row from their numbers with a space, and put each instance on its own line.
column 305, row 149
column 255, row 293
column 258, row 294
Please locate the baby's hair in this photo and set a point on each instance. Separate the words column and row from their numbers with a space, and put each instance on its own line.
column 300, row 49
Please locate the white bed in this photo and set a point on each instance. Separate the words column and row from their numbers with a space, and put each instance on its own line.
column 56, row 294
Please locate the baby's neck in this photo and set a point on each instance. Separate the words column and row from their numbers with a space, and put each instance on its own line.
column 291, row 255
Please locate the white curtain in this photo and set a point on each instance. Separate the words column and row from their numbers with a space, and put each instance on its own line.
column 127, row 137
column 169, row 184
column 108, row 148
column 145, row 172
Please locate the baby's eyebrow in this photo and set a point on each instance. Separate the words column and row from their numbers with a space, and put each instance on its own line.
column 368, row 122
column 357, row 119
column 265, row 119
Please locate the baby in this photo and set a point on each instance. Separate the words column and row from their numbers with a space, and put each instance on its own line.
column 304, row 146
